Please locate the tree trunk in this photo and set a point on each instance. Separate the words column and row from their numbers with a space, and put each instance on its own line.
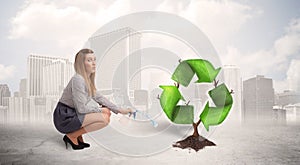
column 196, row 133
column 195, row 125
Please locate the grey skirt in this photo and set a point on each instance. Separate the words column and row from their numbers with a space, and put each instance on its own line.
column 65, row 118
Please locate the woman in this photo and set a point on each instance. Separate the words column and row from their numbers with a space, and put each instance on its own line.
column 81, row 109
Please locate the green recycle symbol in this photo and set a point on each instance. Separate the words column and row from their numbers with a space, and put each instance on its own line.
column 184, row 114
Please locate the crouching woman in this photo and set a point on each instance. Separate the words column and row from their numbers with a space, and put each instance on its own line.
column 81, row 109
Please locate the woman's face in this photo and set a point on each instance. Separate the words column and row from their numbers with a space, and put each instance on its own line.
column 90, row 63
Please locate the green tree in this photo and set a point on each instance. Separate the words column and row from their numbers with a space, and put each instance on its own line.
column 184, row 114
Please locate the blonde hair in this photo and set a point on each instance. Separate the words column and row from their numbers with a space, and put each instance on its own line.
column 80, row 69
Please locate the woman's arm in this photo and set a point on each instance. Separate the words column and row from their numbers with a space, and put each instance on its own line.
column 104, row 101
column 82, row 101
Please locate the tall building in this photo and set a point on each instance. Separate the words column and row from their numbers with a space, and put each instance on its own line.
column 258, row 99
column 115, row 66
column 287, row 97
column 17, row 111
column 233, row 80
column 23, row 88
column 46, row 79
column 56, row 76
column 16, row 94
column 292, row 113
column 288, row 106
column 4, row 92
column 4, row 103
column 35, row 73
column 3, row 114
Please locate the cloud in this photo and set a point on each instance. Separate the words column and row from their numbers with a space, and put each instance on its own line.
column 67, row 27
column 276, row 60
column 254, row 63
column 289, row 44
column 280, row 85
column 65, row 20
column 293, row 75
column 7, row 72
column 67, row 24
column 219, row 20
column 172, row 6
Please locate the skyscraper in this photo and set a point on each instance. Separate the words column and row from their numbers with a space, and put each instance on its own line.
column 35, row 76
column 115, row 66
column 4, row 95
column 47, row 77
column 17, row 110
column 23, row 87
column 258, row 98
column 232, row 79
column 4, row 92
column 56, row 75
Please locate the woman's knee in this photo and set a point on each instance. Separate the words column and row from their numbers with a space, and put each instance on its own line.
column 106, row 111
column 95, row 117
column 106, row 118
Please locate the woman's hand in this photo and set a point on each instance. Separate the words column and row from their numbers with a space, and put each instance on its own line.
column 125, row 111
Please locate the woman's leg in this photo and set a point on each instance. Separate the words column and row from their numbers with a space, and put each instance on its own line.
column 89, row 125
column 91, row 122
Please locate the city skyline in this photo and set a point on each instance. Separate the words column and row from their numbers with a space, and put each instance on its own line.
column 39, row 92
column 294, row 87
column 23, row 81
column 258, row 94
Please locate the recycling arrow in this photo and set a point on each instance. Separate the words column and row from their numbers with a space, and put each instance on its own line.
column 186, row 69
column 223, row 101
column 183, row 114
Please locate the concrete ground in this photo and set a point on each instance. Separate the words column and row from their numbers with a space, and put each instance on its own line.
column 42, row 144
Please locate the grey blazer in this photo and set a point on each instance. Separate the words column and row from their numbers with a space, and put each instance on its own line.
column 75, row 95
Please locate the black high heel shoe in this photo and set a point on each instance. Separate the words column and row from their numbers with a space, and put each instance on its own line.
column 85, row 145
column 74, row 146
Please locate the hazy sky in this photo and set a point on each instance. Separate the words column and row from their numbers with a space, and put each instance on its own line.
column 260, row 36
